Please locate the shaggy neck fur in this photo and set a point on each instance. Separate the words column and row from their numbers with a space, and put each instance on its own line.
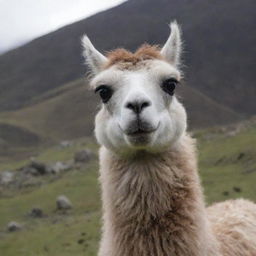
column 153, row 205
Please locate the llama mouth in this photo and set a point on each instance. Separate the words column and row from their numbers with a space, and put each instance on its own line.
column 139, row 129
column 140, row 132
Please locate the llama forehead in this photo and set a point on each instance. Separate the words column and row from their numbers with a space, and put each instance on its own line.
column 147, row 72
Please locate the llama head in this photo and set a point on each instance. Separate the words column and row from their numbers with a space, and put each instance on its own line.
column 139, row 110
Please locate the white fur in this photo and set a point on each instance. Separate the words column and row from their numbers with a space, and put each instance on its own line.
column 165, row 114
column 93, row 57
column 173, row 47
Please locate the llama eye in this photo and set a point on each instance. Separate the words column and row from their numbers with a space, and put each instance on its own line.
column 105, row 92
column 169, row 85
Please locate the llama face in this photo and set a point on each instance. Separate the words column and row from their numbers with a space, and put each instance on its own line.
column 140, row 114
column 139, row 110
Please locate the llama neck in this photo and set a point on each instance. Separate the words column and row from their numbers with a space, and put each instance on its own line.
column 153, row 204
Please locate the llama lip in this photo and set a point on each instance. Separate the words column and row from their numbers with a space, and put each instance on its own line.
column 139, row 129
column 139, row 132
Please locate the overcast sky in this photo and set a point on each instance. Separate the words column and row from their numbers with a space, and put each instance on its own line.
column 23, row 20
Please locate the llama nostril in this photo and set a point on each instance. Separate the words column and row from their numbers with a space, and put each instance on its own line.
column 145, row 104
column 130, row 106
column 138, row 106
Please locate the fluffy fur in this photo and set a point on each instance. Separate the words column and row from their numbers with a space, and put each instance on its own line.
column 153, row 205
column 152, row 198
column 234, row 225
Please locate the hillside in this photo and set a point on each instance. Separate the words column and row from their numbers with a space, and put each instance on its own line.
column 219, row 49
column 59, row 114
column 14, row 137
column 227, row 168
column 68, row 112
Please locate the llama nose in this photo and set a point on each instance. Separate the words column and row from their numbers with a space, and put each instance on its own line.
column 138, row 105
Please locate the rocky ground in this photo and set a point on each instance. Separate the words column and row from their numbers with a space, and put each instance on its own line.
column 35, row 172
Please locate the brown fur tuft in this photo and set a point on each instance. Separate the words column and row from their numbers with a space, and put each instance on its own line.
column 145, row 52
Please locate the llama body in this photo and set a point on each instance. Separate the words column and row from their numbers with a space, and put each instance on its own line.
column 152, row 199
column 154, row 205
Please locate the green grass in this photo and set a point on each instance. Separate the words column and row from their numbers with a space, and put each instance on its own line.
column 71, row 236
column 73, row 233
column 228, row 162
column 80, row 186
column 58, row 233
column 77, row 232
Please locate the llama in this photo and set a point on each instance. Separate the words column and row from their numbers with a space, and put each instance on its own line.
column 153, row 203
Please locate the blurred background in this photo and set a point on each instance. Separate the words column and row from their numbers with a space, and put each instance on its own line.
column 49, row 193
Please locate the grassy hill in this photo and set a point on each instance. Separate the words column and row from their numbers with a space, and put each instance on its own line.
column 63, row 113
column 227, row 168
column 228, row 162
column 16, row 136
column 17, row 141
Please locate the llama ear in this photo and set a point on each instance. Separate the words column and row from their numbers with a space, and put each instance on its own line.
column 93, row 58
column 171, row 51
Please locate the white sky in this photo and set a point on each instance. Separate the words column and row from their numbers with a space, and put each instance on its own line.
column 23, row 20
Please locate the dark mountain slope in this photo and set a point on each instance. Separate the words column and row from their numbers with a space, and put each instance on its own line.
column 219, row 49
